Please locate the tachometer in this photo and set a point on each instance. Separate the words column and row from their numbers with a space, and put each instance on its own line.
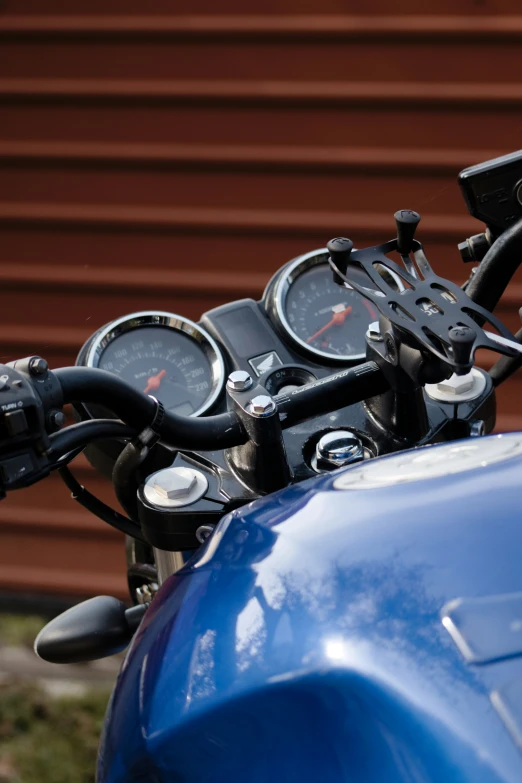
column 162, row 354
column 317, row 314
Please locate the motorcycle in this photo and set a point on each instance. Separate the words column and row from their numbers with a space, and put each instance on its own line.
column 323, row 534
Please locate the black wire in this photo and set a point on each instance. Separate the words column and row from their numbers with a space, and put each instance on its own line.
column 497, row 268
column 98, row 507
column 67, row 458
column 125, row 468
column 77, row 436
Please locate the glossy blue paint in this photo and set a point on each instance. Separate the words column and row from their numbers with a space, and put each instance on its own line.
column 305, row 643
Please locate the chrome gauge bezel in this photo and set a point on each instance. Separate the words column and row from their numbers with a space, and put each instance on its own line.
column 290, row 273
column 177, row 323
column 277, row 302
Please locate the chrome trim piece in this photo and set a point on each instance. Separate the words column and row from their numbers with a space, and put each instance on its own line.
column 296, row 268
column 504, row 341
column 177, row 323
column 167, row 563
column 277, row 301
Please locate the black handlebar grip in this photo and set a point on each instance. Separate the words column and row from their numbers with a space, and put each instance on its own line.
column 406, row 221
column 340, row 249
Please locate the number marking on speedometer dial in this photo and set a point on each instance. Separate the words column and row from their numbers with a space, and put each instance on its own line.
column 330, row 320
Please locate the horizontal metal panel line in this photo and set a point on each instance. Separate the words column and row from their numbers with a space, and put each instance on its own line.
column 335, row 159
column 54, row 337
column 294, row 27
column 116, row 280
column 57, row 521
column 120, row 279
column 230, row 221
column 62, row 581
column 459, row 95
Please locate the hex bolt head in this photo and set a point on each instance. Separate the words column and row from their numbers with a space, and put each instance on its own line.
column 38, row 366
column 458, row 388
column 239, row 380
column 374, row 332
column 457, row 384
column 337, row 449
column 175, row 487
column 262, row 405
column 175, row 484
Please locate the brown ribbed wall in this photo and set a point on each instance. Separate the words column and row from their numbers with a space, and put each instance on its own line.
column 175, row 160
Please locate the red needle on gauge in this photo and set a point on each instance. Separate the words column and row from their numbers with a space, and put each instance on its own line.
column 155, row 381
column 337, row 320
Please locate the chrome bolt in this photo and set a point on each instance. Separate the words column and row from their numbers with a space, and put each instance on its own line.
column 477, row 428
column 338, row 448
column 262, row 405
column 374, row 332
column 203, row 532
column 239, row 380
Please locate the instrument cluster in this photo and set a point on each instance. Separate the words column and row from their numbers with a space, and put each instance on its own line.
column 304, row 327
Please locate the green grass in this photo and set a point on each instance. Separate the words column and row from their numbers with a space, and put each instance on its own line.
column 19, row 630
column 43, row 738
column 48, row 740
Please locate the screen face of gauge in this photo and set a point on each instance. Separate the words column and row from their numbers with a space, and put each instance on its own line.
column 163, row 362
column 326, row 318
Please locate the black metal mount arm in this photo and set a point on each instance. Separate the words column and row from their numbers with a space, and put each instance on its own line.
column 426, row 313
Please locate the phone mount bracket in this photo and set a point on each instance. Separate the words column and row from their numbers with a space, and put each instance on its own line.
column 429, row 313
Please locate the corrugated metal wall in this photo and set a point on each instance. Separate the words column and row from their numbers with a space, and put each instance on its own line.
column 175, row 160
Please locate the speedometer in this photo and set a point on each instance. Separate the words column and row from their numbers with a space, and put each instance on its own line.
column 321, row 317
column 164, row 355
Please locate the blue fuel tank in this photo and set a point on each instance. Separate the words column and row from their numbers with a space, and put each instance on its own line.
column 361, row 627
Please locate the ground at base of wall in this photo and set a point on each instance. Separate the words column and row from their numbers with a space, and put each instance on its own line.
column 50, row 716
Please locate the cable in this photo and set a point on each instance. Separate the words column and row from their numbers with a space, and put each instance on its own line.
column 128, row 462
column 497, row 268
column 85, row 384
column 78, row 436
column 123, row 475
column 67, row 458
column 98, row 507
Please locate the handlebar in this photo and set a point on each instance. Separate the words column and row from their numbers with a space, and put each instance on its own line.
column 328, row 394
column 83, row 384
column 497, row 268
column 224, row 430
